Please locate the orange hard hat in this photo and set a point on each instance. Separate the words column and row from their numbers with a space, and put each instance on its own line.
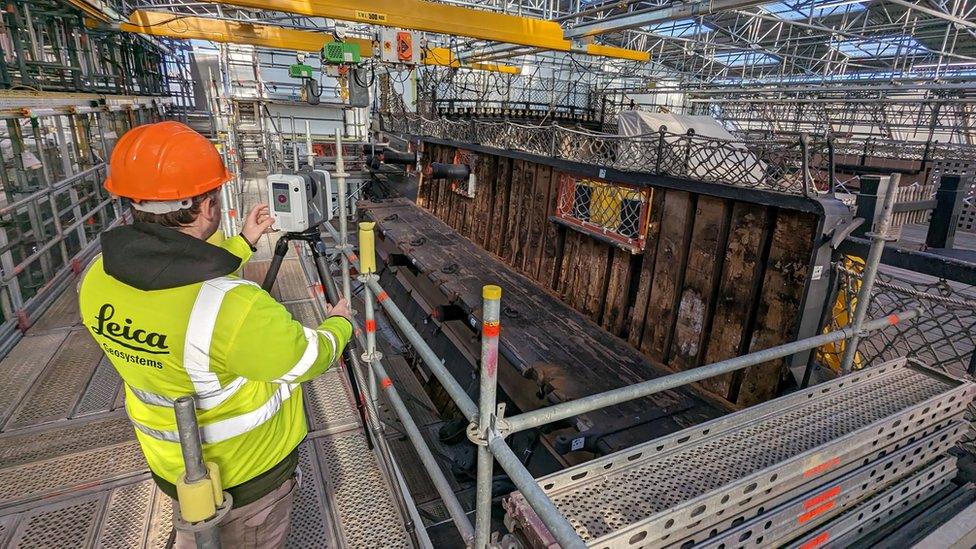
column 164, row 161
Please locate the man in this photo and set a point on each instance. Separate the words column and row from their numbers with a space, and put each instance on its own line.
column 167, row 309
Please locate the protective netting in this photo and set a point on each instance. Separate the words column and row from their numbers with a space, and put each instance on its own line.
column 945, row 334
column 609, row 211
column 793, row 166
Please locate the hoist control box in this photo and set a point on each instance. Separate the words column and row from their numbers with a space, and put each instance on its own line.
column 399, row 46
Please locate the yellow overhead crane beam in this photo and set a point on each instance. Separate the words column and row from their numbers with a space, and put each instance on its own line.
column 441, row 18
column 444, row 57
column 234, row 32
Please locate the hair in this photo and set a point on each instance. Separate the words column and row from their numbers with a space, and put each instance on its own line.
column 177, row 219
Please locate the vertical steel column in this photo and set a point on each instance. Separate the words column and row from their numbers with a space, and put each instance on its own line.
column 49, row 183
column 878, row 238
column 309, row 155
column 195, row 468
column 343, row 247
column 490, row 328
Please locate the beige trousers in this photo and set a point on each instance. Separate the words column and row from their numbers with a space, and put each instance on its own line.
column 258, row 525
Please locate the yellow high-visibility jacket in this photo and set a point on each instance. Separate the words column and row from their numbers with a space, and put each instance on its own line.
column 174, row 319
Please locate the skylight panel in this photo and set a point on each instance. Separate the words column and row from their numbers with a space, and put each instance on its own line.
column 681, row 28
column 886, row 46
column 804, row 9
column 744, row 58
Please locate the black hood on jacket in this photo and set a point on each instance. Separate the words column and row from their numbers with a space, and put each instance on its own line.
column 148, row 256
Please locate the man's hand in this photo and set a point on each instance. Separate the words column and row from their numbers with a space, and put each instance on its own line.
column 340, row 309
column 258, row 222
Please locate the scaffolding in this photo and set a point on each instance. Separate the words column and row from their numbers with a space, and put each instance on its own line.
column 488, row 424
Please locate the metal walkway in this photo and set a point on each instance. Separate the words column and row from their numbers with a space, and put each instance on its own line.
column 713, row 475
column 72, row 475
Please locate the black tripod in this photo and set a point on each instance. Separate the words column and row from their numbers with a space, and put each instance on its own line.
column 311, row 237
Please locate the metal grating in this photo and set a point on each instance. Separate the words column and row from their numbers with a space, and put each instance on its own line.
column 77, row 436
column 309, row 527
column 160, row 522
column 329, row 407
column 861, row 519
column 22, row 365
column 63, row 313
column 305, row 312
column 127, row 516
column 291, row 283
column 7, row 525
column 100, row 394
column 32, row 481
column 54, row 394
column 633, row 489
column 64, row 525
column 814, row 507
column 367, row 514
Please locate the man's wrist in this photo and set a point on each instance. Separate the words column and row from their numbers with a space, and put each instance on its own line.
column 252, row 245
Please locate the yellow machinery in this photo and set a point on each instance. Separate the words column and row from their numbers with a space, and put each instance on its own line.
column 445, row 19
column 235, row 32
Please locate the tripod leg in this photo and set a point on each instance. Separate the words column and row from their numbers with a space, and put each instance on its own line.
column 281, row 248
column 348, row 354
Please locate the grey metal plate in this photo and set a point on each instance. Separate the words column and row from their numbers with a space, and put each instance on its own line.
column 60, row 439
column 62, row 314
column 77, row 471
column 808, row 510
column 102, row 389
column 874, row 511
column 329, row 405
column 22, row 366
column 126, row 519
column 310, row 526
column 305, row 312
column 367, row 515
column 67, row 524
column 160, row 522
column 678, row 480
column 55, row 393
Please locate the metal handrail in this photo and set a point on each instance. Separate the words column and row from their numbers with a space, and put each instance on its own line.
column 490, row 432
column 778, row 165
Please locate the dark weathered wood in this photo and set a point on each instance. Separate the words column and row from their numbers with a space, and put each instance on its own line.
column 514, row 223
column 569, row 266
column 704, row 265
column 499, row 213
column 484, row 199
column 669, row 268
column 614, row 317
column 638, row 315
column 538, row 220
column 527, row 189
column 439, row 196
column 552, row 240
column 739, row 284
column 566, row 354
column 779, row 302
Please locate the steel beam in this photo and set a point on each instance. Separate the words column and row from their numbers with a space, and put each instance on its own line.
column 445, row 19
column 650, row 16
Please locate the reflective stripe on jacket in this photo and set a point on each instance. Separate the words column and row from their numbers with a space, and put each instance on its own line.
column 225, row 341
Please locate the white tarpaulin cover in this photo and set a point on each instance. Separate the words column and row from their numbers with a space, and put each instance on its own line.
column 709, row 160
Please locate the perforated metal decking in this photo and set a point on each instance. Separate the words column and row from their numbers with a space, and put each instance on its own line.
column 662, row 491
column 72, row 475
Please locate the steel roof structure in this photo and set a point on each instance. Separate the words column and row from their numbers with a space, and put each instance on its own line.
column 898, row 69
